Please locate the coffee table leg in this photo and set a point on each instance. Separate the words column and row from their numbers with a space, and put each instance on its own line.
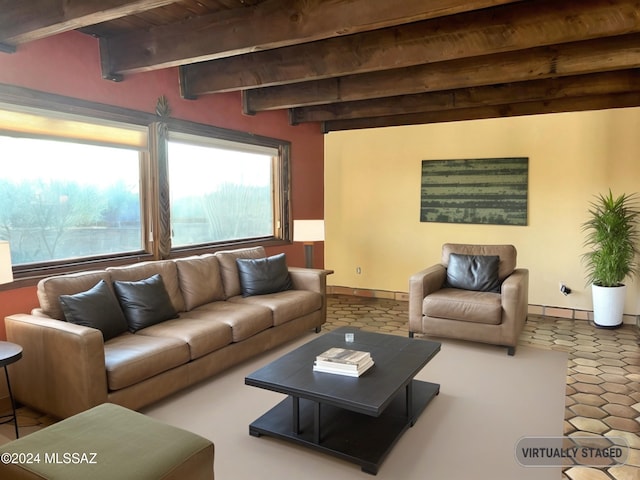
column 409, row 401
column 296, row 415
column 316, row 422
column 295, row 401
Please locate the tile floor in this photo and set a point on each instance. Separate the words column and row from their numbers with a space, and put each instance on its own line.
column 603, row 374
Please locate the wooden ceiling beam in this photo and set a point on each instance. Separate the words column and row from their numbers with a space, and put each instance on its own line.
column 615, row 53
column 243, row 30
column 494, row 30
column 577, row 104
column 25, row 21
column 465, row 98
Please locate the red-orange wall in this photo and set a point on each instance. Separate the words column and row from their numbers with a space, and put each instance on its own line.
column 69, row 64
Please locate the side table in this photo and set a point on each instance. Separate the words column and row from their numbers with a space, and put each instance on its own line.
column 10, row 353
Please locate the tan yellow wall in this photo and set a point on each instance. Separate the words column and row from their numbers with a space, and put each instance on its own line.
column 372, row 197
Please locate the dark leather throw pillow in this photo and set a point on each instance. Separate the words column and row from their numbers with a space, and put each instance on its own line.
column 144, row 302
column 473, row 272
column 97, row 308
column 259, row 276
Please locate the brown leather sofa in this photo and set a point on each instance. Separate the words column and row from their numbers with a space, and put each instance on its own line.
column 495, row 317
column 68, row 368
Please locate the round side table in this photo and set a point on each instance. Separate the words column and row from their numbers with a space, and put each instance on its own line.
column 10, row 353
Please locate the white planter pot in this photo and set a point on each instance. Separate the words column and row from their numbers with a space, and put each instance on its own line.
column 608, row 305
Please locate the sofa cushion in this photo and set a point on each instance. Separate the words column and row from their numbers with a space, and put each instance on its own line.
column 132, row 358
column 139, row 271
column 229, row 268
column 98, row 308
column 197, row 329
column 144, row 302
column 49, row 289
column 286, row 306
column 473, row 272
column 244, row 320
column 464, row 305
column 200, row 280
column 259, row 276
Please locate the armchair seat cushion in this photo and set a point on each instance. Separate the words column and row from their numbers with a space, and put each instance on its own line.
column 464, row 305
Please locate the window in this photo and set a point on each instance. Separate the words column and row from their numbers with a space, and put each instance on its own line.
column 225, row 187
column 61, row 200
column 220, row 191
column 82, row 183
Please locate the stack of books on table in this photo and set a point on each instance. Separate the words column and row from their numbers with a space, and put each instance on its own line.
column 342, row 361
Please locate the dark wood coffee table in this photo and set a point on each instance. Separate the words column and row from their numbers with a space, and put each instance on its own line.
column 358, row 419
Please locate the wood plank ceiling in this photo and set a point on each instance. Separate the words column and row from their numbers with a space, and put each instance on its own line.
column 351, row 64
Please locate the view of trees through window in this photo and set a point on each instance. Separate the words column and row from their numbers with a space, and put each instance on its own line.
column 62, row 200
column 219, row 194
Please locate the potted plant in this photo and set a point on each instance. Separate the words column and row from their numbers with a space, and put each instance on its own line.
column 612, row 237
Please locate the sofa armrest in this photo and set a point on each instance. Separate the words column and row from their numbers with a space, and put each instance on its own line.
column 515, row 303
column 313, row 279
column 62, row 370
column 422, row 284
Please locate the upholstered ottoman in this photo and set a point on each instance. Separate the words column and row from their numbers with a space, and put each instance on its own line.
column 108, row 442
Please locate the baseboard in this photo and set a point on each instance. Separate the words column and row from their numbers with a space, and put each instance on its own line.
column 575, row 314
column 542, row 310
column 365, row 292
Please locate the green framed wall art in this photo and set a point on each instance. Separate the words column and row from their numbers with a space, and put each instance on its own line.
column 483, row 191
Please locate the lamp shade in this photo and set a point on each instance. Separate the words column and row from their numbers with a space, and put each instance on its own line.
column 6, row 272
column 308, row 230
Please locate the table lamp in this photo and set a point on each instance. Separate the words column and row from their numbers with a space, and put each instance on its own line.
column 307, row 232
column 6, row 272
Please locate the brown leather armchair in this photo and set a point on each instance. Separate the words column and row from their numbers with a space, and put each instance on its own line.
column 471, row 295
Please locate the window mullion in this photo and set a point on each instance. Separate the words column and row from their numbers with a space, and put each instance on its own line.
column 159, row 189
column 146, row 201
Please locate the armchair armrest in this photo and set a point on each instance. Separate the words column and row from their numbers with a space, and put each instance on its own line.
column 515, row 303
column 62, row 369
column 422, row 284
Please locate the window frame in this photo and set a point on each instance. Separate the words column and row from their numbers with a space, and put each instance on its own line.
column 151, row 183
column 281, row 183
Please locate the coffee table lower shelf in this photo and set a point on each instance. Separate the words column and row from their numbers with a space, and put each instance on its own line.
column 362, row 439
